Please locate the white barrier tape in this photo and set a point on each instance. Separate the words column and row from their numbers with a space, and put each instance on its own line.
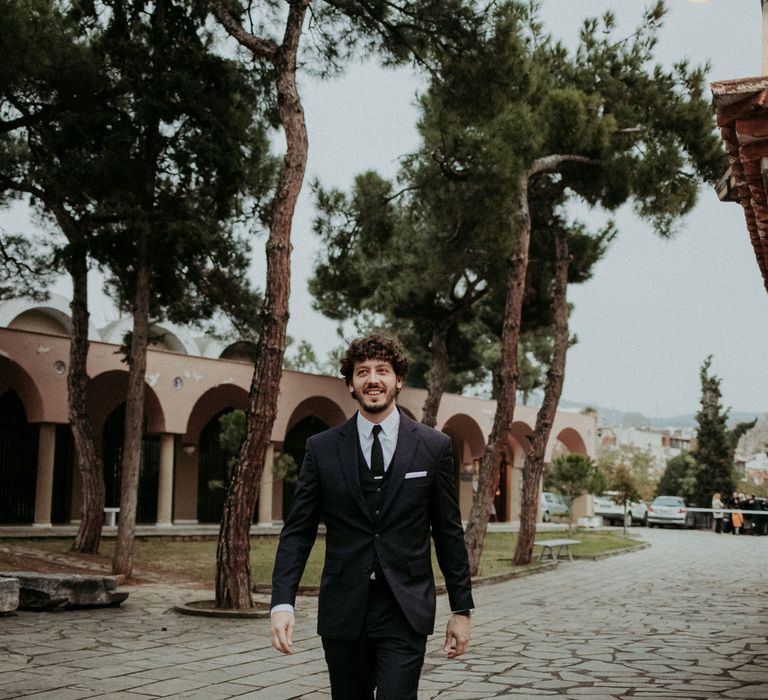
column 726, row 510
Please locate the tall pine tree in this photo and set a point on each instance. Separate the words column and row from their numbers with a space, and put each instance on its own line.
column 715, row 443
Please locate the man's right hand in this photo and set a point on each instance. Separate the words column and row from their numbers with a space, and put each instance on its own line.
column 281, row 624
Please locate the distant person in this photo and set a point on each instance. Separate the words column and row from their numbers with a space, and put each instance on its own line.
column 732, row 504
column 717, row 513
column 383, row 484
column 750, row 524
column 737, row 521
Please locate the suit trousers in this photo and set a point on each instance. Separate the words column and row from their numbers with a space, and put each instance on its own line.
column 387, row 657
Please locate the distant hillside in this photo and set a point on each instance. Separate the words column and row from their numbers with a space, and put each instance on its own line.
column 633, row 419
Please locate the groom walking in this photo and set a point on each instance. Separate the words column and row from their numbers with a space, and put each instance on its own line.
column 383, row 484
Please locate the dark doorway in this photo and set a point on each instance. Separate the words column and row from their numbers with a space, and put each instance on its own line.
column 112, row 455
column 214, row 472
column 18, row 461
column 295, row 445
column 500, row 499
column 63, row 462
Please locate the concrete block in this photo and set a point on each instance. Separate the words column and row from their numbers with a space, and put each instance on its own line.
column 9, row 595
column 55, row 591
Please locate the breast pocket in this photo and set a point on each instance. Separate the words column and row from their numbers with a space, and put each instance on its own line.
column 416, row 478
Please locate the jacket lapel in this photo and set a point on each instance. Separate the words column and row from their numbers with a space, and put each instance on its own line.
column 407, row 441
column 347, row 448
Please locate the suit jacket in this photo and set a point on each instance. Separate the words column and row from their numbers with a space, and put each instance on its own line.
column 414, row 507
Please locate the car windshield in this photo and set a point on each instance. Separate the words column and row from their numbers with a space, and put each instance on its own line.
column 668, row 501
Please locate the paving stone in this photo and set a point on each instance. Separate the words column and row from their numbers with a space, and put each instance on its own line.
column 627, row 630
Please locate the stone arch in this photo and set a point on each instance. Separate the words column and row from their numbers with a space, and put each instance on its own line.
column 461, row 427
column 106, row 391
column 468, row 447
column 572, row 441
column 311, row 416
column 13, row 377
column 51, row 316
column 321, row 407
column 511, row 470
column 214, row 402
column 240, row 350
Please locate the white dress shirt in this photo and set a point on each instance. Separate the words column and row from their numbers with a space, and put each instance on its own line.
column 387, row 437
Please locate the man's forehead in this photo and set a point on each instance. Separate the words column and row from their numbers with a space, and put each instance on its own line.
column 373, row 362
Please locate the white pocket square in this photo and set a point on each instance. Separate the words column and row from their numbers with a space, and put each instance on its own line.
column 415, row 475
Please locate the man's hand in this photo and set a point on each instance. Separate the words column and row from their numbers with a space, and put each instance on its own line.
column 281, row 624
column 457, row 635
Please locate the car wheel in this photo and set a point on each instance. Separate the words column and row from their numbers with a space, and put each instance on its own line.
column 546, row 517
column 644, row 521
column 650, row 524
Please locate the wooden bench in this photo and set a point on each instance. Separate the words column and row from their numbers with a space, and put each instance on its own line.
column 555, row 548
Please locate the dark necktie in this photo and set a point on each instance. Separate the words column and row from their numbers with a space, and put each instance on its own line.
column 377, row 455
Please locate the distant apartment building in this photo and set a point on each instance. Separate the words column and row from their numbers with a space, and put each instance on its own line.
column 661, row 445
column 756, row 469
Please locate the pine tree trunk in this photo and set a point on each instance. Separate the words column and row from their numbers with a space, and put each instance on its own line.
column 534, row 460
column 233, row 569
column 488, row 477
column 435, row 378
column 89, row 463
column 122, row 561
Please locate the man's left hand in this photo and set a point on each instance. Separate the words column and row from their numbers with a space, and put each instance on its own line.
column 457, row 635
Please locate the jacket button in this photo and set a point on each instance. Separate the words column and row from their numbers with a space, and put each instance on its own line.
column 377, row 512
column 376, row 535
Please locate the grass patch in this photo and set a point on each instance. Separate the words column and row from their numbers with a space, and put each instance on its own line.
column 196, row 559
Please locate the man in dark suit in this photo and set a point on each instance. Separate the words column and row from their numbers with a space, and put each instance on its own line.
column 382, row 483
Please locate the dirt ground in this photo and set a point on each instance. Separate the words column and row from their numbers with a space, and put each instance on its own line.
column 17, row 558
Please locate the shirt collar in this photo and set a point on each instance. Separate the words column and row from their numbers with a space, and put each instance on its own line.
column 389, row 425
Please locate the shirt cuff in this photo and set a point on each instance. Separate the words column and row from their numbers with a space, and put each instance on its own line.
column 282, row 607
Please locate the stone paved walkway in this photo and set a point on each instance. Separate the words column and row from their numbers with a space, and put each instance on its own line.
column 685, row 619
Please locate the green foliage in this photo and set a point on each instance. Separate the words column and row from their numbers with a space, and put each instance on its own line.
column 715, row 442
column 624, row 484
column 285, row 467
column 429, row 253
column 638, row 462
column 574, row 475
column 679, row 478
column 231, row 434
column 139, row 142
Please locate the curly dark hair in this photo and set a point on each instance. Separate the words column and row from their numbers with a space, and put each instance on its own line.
column 374, row 347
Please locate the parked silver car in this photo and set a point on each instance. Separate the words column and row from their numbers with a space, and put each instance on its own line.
column 669, row 510
column 613, row 513
column 552, row 504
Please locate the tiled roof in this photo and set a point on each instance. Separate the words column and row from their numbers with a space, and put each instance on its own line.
column 742, row 115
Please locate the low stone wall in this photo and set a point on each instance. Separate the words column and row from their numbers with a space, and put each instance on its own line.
column 9, row 595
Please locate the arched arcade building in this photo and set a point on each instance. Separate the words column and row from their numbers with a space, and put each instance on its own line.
column 191, row 384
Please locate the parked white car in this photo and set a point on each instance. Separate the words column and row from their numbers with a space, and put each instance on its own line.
column 669, row 510
column 613, row 513
column 552, row 504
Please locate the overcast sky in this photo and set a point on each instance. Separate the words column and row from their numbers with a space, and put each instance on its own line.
column 654, row 309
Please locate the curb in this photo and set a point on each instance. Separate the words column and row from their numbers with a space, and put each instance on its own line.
column 205, row 608
column 613, row 552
